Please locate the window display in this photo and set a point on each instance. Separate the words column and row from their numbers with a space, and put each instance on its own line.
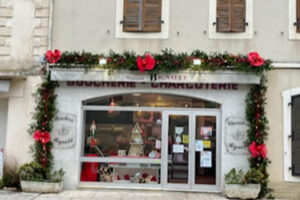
column 125, row 134
column 136, row 173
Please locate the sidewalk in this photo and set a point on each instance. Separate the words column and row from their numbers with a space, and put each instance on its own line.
column 110, row 195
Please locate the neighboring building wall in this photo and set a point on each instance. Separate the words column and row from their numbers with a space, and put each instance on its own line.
column 23, row 33
column 279, row 80
column 20, row 107
column 3, row 121
column 24, row 26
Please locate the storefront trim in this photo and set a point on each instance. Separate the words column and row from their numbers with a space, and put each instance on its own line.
column 58, row 74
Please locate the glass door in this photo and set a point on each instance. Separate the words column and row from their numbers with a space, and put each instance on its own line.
column 177, row 154
column 191, row 157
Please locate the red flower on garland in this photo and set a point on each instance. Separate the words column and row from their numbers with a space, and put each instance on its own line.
column 43, row 137
column 258, row 150
column 147, row 63
column 255, row 59
column 53, row 57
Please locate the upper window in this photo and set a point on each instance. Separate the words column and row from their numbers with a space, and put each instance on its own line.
column 142, row 16
column 231, row 16
column 142, row 19
column 295, row 136
column 291, row 123
column 231, row 19
column 294, row 19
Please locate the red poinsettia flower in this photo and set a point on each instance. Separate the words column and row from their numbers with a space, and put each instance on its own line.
column 253, row 150
column 262, row 149
column 53, row 57
column 147, row 63
column 43, row 137
column 255, row 59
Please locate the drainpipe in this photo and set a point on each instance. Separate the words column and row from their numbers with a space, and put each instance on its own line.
column 50, row 24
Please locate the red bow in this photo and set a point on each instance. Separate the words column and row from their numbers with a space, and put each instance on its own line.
column 43, row 137
column 147, row 63
column 53, row 57
column 258, row 150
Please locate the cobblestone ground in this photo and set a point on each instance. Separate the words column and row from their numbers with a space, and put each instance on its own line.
column 110, row 195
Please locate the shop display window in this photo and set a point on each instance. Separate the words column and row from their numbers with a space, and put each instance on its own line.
column 112, row 172
column 123, row 134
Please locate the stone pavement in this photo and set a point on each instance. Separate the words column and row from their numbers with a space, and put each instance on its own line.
column 110, row 195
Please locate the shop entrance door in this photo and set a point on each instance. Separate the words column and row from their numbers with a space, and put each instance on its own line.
column 191, row 150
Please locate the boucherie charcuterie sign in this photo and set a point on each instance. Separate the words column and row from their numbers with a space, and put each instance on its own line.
column 199, row 86
column 185, row 77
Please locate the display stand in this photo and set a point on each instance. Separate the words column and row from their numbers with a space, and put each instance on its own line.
column 136, row 142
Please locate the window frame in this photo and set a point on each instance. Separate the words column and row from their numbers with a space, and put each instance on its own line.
column 293, row 34
column 287, row 130
column 164, row 34
column 213, row 34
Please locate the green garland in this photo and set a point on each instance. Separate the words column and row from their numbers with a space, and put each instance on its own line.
column 42, row 120
column 167, row 61
column 257, row 132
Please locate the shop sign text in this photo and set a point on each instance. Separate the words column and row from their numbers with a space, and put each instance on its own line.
column 236, row 135
column 199, row 86
column 64, row 132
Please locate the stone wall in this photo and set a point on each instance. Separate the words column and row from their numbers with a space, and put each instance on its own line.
column 24, row 27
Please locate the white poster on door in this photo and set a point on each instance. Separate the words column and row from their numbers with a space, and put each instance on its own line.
column 178, row 148
column 206, row 159
column 199, row 145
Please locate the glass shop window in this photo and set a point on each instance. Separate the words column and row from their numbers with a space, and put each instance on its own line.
column 123, row 134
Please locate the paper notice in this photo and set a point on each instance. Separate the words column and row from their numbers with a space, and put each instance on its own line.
column 178, row 148
column 206, row 159
column 199, row 145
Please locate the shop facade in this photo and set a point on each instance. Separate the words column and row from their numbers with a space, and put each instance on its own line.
column 165, row 133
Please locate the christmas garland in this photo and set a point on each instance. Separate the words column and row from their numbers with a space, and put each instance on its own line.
column 41, row 126
column 167, row 61
column 257, row 132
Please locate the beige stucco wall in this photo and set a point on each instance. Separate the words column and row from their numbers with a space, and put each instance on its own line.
column 21, row 105
column 278, row 81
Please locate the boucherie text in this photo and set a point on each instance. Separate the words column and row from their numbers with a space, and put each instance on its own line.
column 204, row 86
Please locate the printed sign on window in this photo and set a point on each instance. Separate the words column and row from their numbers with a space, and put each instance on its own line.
column 206, row 159
column 205, row 131
column 185, row 139
column 199, row 145
column 178, row 148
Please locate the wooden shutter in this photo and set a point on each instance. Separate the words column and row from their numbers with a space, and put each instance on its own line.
column 133, row 19
column 238, row 15
column 152, row 16
column 296, row 135
column 298, row 16
column 223, row 15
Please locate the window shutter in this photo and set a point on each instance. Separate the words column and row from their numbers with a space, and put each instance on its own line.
column 224, row 16
column 238, row 15
column 296, row 135
column 298, row 16
column 152, row 16
column 133, row 19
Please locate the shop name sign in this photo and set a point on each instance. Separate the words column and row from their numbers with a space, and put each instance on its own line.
column 64, row 132
column 236, row 135
column 200, row 86
column 218, row 77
